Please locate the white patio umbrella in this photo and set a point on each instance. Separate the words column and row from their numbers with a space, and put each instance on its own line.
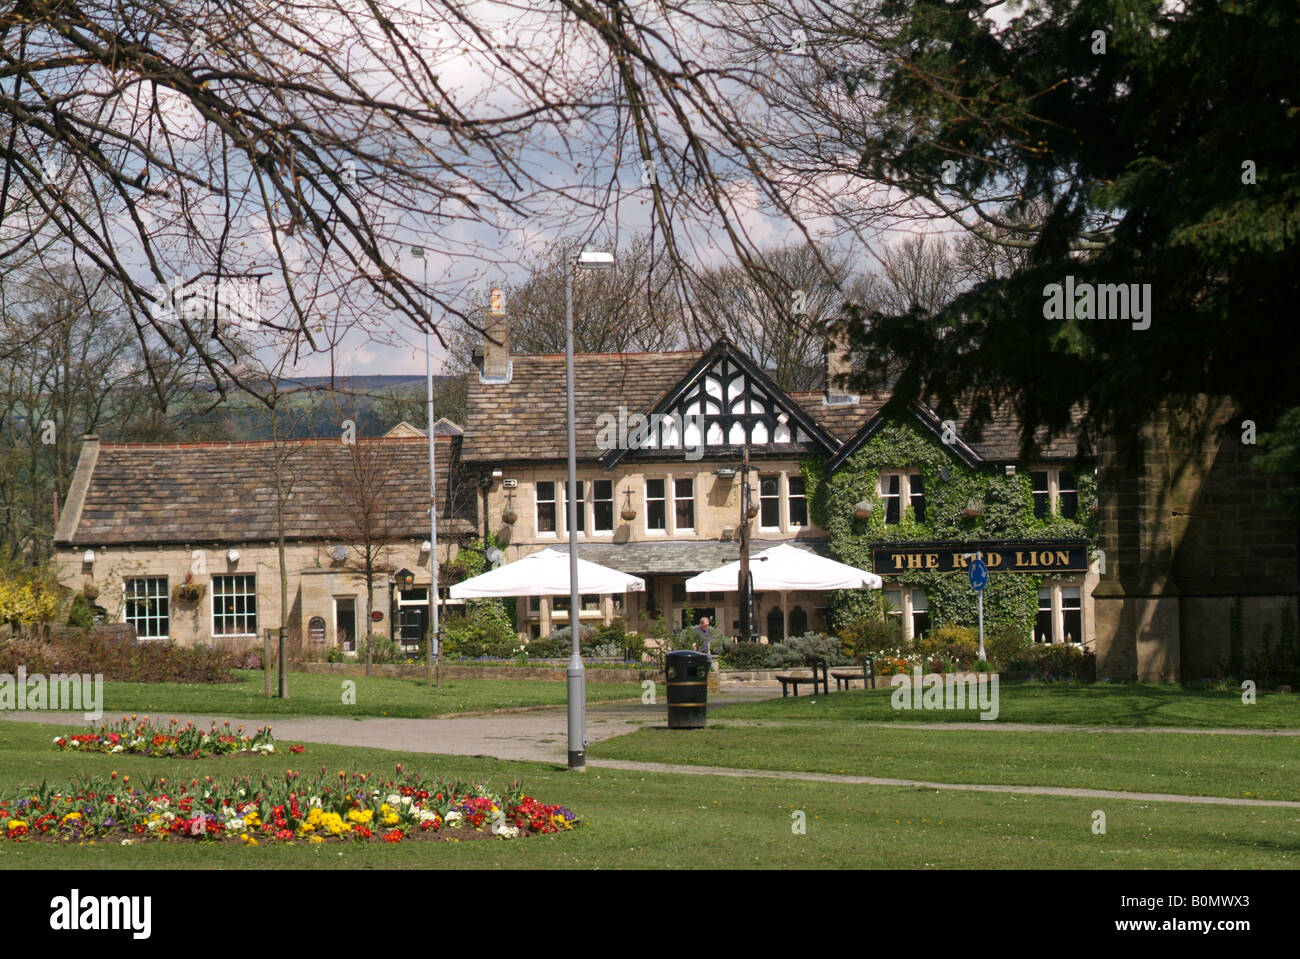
column 784, row 569
column 546, row 573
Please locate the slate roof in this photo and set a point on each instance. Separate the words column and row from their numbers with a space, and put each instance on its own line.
column 180, row 493
column 840, row 420
column 526, row 420
column 682, row 557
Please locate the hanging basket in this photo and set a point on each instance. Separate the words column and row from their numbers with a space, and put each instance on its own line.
column 863, row 509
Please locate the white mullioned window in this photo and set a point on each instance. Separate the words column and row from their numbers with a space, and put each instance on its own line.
column 656, row 506
column 234, row 605
column 546, row 506
column 602, row 506
column 796, row 501
column 147, row 606
column 684, row 505
column 902, row 491
column 1056, row 493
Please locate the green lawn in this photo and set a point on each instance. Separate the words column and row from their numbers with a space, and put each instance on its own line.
column 312, row 694
column 1098, row 704
column 642, row 820
column 1259, row 767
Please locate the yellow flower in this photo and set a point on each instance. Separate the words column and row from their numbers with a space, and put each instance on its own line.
column 316, row 839
column 248, row 840
column 361, row 816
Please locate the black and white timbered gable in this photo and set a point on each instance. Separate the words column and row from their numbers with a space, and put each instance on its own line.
column 726, row 402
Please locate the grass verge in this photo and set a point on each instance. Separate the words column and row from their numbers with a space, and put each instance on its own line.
column 1097, row 704
column 663, row 821
column 312, row 694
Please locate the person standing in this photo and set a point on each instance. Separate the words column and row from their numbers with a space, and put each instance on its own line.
column 702, row 635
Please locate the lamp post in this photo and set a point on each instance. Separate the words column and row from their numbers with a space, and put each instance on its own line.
column 431, row 649
column 576, row 673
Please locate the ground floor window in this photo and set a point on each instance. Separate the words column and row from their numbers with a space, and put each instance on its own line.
column 234, row 605
column 147, row 606
column 912, row 607
column 1060, row 615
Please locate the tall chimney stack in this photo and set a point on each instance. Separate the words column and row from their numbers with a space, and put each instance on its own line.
column 496, row 341
column 839, row 367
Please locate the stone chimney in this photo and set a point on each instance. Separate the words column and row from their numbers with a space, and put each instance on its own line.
column 496, row 366
column 839, row 366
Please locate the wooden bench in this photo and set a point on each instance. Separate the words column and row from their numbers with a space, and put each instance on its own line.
column 794, row 682
column 845, row 679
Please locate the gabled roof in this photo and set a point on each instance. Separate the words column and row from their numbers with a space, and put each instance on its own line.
column 692, row 390
column 998, row 442
column 179, row 493
column 444, row 427
column 526, row 420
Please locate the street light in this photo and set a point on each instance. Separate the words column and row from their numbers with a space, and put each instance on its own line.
column 576, row 673
column 432, row 652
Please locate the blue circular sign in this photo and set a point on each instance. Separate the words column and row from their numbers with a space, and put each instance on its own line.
column 979, row 575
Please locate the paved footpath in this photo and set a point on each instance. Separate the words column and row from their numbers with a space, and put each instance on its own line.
column 541, row 735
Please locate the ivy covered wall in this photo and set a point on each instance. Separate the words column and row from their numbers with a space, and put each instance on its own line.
column 1010, row 599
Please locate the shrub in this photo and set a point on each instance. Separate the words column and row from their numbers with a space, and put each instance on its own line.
column 744, row 656
column 1050, row 662
column 871, row 634
column 1007, row 646
column 80, row 614
column 91, row 652
column 549, row 648
column 948, row 647
column 813, row 645
column 482, row 631
column 26, row 598
column 564, row 639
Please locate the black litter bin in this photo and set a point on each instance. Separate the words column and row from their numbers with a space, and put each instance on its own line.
column 688, row 688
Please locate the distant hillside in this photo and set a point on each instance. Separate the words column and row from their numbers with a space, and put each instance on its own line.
column 317, row 406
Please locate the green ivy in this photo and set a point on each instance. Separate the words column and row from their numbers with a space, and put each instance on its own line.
column 1011, row 599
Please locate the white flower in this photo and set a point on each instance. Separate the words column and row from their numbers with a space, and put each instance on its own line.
column 57, row 738
column 117, row 748
column 128, row 842
column 406, row 800
column 75, row 744
column 454, row 818
column 235, row 825
column 241, row 793
column 427, row 815
column 393, row 799
column 507, row 832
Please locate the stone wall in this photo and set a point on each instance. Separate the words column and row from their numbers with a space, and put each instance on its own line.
column 1185, row 531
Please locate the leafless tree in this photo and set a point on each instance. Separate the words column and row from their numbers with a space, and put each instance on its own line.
column 785, row 335
column 360, row 481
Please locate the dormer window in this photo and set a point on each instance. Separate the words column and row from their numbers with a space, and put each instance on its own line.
column 1055, row 493
column 901, row 492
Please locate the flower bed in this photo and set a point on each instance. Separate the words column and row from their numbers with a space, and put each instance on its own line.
column 356, row 807
column 144, row 738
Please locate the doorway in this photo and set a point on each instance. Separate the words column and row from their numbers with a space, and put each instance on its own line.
column 345, row 624
column 412, row 618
